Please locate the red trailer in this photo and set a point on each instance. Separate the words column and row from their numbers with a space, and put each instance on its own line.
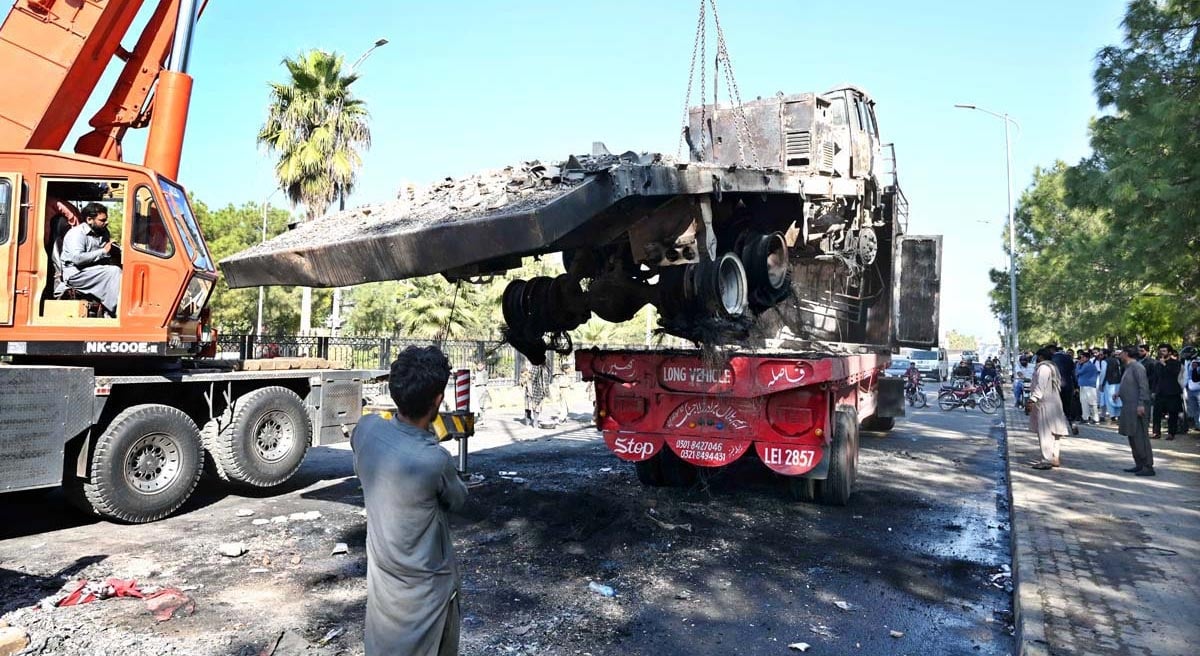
column 671, row 412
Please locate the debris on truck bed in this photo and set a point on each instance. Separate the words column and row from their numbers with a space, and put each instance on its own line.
column 520, row 188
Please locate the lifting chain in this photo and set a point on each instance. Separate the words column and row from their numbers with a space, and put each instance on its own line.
column 699, row 46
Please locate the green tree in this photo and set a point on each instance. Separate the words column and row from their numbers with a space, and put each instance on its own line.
column 960, row 342
column 232, row 229
column 315, row 127
column 1145, row 166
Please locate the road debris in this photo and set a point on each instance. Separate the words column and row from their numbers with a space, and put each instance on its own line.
column 843, row 605
column 288, row 643
column 279, row 519
column 822, row 630
column 800, row 646
column 330, row 635
column 666, row 525
column 683, row 594
column 339, row 549
column 305, row 516
column 260, row 521
column 896, row 634
column 244, row 512
column 232, row 549
column 13, row 640
column 506, row 474
column 168, row 603
column 601, row 589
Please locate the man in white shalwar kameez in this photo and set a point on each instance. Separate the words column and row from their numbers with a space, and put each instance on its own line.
column 1047, row 418
column 409, row 483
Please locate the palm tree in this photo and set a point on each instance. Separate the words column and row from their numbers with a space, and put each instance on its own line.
column 315, row 127
column 429, row 305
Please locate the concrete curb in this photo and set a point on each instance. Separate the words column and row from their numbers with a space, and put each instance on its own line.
column 1028, row 619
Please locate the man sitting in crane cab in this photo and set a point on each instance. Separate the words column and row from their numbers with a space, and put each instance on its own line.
column 89, row 257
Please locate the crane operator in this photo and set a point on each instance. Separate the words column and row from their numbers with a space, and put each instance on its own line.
column 88, row 257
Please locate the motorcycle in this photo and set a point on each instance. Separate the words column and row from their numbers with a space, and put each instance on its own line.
column 985, row 397
column 915, row 395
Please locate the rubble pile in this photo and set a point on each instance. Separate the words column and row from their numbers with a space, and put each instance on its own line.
column 512, row 188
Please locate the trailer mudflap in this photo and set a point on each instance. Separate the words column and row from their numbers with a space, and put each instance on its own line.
column 889, row 401
column 42, row 407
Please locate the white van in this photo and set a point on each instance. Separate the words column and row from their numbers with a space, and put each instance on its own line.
column 932, row 363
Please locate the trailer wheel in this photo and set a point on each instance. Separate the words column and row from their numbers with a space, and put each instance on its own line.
column 144, row 465
column 879, row 424
column 802, row 489
column 843, row 460
column 676, row 471
column 265, row 440
column 649, row 471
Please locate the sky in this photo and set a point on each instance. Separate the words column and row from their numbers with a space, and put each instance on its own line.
column 469, row 85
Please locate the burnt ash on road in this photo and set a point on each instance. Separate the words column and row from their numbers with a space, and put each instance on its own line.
column 915, row 553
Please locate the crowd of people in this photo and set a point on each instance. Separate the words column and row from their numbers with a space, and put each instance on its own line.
column 1132, row 387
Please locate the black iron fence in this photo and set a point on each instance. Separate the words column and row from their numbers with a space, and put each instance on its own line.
column 369, row 352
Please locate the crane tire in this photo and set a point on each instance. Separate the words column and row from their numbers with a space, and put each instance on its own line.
column 144, row 466
column 266, row 438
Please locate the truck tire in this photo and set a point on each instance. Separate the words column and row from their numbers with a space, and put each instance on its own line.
column 879, row 424
column 802, row 489
column 676, row 471
column 836, row 489
column 266, row 439
column 144, row 465
column 649, row 471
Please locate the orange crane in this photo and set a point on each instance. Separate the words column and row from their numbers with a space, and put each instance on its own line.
column 116, row 403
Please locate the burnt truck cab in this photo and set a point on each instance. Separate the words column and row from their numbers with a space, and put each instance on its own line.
column 167, row 272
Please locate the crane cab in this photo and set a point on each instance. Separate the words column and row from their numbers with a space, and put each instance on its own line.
column 166, row 271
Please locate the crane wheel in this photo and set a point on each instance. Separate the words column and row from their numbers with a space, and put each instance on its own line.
column 836, row 489
column 266, row 438
column 144, row 465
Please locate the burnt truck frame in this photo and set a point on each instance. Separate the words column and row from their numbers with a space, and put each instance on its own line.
column 782, row 239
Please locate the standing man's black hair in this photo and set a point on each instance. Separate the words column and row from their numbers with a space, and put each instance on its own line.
column 419, row 376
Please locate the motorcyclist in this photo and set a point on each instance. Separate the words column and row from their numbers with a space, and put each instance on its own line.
column 912, row 378
column 963, row 374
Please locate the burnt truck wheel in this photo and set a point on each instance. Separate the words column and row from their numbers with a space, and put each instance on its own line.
column 144, row 465
column 802, row 489
column 879, row 424
column 266, row 439
column 649, row 471
column 676, row 471
column 836, row 489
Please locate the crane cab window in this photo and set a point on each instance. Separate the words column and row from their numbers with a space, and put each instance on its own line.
column 6, row 193
column 149, row 231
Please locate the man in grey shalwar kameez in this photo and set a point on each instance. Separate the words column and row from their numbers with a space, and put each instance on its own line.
column 1133, row 423
column 87, row 258
column 409, row 482
column 1046, row 416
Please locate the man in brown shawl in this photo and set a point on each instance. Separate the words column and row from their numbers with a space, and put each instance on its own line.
column 1046, row 416
column 409, row 483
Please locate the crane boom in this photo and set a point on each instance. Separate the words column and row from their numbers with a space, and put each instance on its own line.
column 54, row 53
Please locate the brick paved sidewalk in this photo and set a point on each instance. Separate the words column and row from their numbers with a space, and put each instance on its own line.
column 1105, row 562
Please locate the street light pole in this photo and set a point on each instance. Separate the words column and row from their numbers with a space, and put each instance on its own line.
column 1012, row 235
column 336, row 314
column 262, row 291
